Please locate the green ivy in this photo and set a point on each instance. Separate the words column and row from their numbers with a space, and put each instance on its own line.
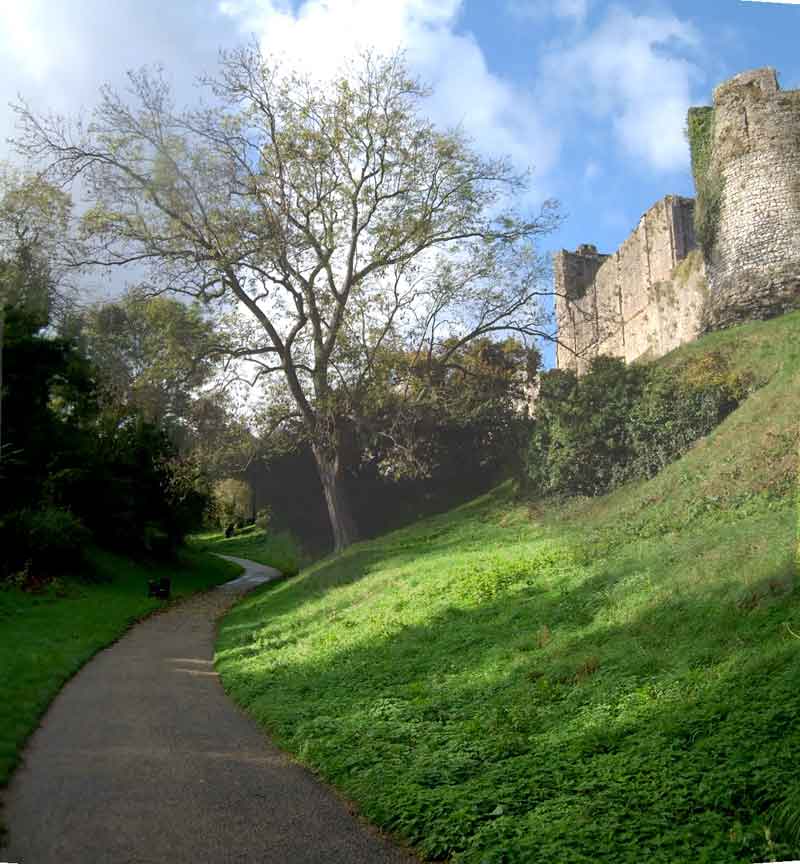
column 708, row 180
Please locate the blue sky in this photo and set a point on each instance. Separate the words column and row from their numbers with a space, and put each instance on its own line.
column 592, row 95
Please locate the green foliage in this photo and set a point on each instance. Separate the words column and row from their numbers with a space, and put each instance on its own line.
column 152, row 355
column 678, row 406
column 607, row 680
column 786, row 821
column 231, row 502
column 707, row 179
column 621, row 422
column 43, row 543
column 279, row 550
column 581, row 437
column 116, row 473
column 700, row 132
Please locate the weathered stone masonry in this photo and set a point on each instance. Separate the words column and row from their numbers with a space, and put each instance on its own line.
column 630, row 304
column 658, row 290
column 754, row 266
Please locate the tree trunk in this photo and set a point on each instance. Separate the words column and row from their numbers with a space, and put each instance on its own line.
column 330, row 471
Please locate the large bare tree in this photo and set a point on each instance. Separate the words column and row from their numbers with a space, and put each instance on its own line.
column 333, row 212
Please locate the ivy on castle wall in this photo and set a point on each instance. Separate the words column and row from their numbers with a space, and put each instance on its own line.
column 708, row 180
column 700, row 132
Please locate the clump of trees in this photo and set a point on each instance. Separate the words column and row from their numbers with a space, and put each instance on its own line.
column 94, row 418
column 74, row 467
column 619, row 422
column 432, row 435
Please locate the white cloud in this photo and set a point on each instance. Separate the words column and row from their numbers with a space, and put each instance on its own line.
column 576, row 10
column 21, row 40
column 634, row 70
column 320, row 34
column 34, row 39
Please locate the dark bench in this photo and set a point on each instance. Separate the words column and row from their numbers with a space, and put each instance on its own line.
column 159, row 588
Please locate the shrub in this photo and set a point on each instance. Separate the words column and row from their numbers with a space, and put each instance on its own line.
column 678, row 407
column 622, row 422
column 581, row 434
column 44, row 543
column 264, row 518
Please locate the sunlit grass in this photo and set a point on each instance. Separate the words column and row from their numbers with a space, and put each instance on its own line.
column 280, row 550
column 611, row 679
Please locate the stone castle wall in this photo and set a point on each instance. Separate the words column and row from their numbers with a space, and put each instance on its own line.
column 631, row 304
column 754, row 264
column 658, row 290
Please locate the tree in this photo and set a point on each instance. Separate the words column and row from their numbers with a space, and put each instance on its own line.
column 334, row 213
column 155, row 357
column 34, row 216
column 163, row 360
column 472, row 398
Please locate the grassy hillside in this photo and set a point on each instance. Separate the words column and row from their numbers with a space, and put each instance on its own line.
column 280, row 551
column 610, row 680
column 46, row 637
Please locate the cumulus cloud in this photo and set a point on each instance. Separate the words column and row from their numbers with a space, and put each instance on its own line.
column 501, row 117
column 636, row 71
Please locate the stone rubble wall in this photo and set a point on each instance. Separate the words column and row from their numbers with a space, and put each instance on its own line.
column 630, row 304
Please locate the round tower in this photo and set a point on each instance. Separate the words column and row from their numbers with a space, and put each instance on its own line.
column 752, row 200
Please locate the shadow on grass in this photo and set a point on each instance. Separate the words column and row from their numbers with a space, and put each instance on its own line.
column 663, row 727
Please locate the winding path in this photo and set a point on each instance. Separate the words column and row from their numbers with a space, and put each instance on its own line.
column 143, row 758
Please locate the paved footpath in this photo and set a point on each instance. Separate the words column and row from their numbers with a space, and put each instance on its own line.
column 142, row 758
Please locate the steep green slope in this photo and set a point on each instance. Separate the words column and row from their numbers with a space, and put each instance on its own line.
column 614, row 679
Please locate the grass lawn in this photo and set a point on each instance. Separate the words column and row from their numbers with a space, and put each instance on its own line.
column 275, row 550
column 609, row 679
column 45, row 638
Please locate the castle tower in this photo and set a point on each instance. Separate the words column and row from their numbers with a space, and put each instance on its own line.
column 576, row 305
column 749, row 192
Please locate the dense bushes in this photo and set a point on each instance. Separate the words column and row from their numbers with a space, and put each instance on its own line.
column 621, row 422
column 39, row 544
column 73, row 471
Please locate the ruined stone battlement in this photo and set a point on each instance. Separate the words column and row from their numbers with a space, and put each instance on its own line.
column 626, row 304
column 667, row 283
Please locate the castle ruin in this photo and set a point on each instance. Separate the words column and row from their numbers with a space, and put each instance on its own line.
column 695, row 265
